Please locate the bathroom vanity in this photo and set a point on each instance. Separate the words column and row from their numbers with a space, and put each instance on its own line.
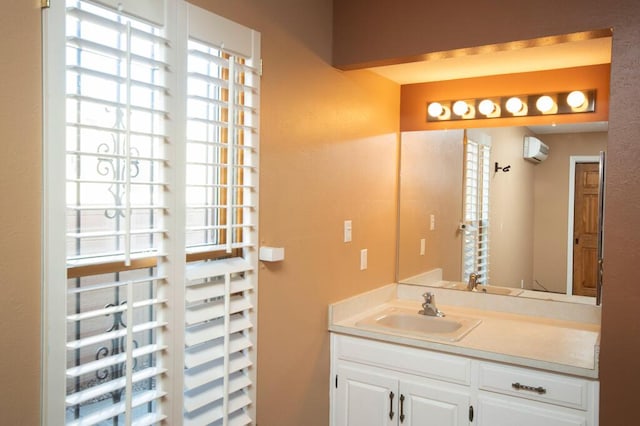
column 511, row 361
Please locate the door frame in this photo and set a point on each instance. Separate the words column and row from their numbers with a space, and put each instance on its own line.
column 573, row 160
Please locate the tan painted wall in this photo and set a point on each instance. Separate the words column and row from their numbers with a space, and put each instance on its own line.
column 511, row 210
column 329, row 143
column 20, row 174
column 414, row 27
column 551, row 188
column 430, row 184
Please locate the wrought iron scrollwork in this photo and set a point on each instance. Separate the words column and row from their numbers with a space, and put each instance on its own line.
column 117, row 346
column 117, row 168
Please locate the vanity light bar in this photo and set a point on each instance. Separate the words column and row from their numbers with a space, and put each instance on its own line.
column 573, row 102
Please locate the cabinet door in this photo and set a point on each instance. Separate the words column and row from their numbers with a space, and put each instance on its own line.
column 365, row 398
column 507, row 411
column 432, row 404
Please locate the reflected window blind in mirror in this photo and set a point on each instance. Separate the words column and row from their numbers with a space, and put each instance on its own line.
column 475, row 256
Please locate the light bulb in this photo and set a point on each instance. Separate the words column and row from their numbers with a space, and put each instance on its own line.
column 435, row 109
column 544, row 103
column 460, row 108
column 486, row 107
column 576, row 99
column 514, row 105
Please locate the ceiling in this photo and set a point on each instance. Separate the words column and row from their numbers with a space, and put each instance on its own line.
column 509, row 58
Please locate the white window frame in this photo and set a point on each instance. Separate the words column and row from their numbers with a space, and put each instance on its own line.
column 234, row 38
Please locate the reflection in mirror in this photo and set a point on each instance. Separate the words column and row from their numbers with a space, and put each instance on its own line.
column 531, row 243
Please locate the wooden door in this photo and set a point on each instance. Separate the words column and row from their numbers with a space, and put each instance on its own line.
column 585, row 229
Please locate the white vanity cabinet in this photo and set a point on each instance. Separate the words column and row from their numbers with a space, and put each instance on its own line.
column 509, row 395
column 378, row 384
column 369, row 396
column 382, row 384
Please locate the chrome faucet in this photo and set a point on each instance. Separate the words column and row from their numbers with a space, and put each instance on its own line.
column 473, row 281
column 429, row 306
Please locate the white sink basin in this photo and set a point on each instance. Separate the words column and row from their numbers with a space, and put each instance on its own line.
column 409, row 323
column 489, row 289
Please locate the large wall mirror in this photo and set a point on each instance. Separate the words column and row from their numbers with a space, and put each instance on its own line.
column 532, row 239
column 529, row 234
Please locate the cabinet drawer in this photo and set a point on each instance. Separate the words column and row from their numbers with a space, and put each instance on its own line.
column 552, row 388
column 406, row 359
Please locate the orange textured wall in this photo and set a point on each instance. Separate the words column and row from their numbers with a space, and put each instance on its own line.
column 20, row 174
column 414, row 97
column 414, row 27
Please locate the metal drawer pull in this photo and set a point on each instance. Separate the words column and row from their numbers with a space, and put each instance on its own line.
column 401, row 408
column 539, row 389
column 391, row 395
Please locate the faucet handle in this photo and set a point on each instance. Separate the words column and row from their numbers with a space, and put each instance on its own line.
column 429, row 298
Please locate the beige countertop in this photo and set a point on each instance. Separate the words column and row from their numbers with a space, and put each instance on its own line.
column 551, row 336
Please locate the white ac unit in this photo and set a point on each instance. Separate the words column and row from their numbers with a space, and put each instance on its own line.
column 535, row 150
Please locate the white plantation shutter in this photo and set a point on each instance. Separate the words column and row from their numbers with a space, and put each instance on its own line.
column 476, row 208
column 115, row 136
column 151, row 224
column 221, row 185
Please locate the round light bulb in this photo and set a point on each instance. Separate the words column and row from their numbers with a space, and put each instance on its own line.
column 514, row 105
column 435, row 109
column 460, row 108
column 544, row 103
column 576, row 99
column 486, row 107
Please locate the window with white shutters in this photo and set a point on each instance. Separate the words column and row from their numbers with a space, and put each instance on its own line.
column 151, row 186
column 221, row 201
column 476, row 208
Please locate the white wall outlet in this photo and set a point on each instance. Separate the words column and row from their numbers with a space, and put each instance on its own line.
column 363, row 259
column 432, row 225
column 347, row 231
column 423, row 246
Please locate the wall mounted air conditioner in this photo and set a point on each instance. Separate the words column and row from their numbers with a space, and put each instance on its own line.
column 535, row 150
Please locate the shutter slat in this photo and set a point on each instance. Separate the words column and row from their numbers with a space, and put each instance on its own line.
column 108, row 23
column 110, row 411
column 110, row 386
column 196, row 291
column 98, row 234
column 206, row 311
column 213, row 392
column 109, row 257
column 217, row 268
column 114, row 284
column 246, row 146
column 149, row 419
column 110, row 130
column 121, row 54
column 212, row 371
column 111, row 310
column 209, row 351
column 212, row 330
column 212, row 227
column 92, row 340
column 92, row 366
